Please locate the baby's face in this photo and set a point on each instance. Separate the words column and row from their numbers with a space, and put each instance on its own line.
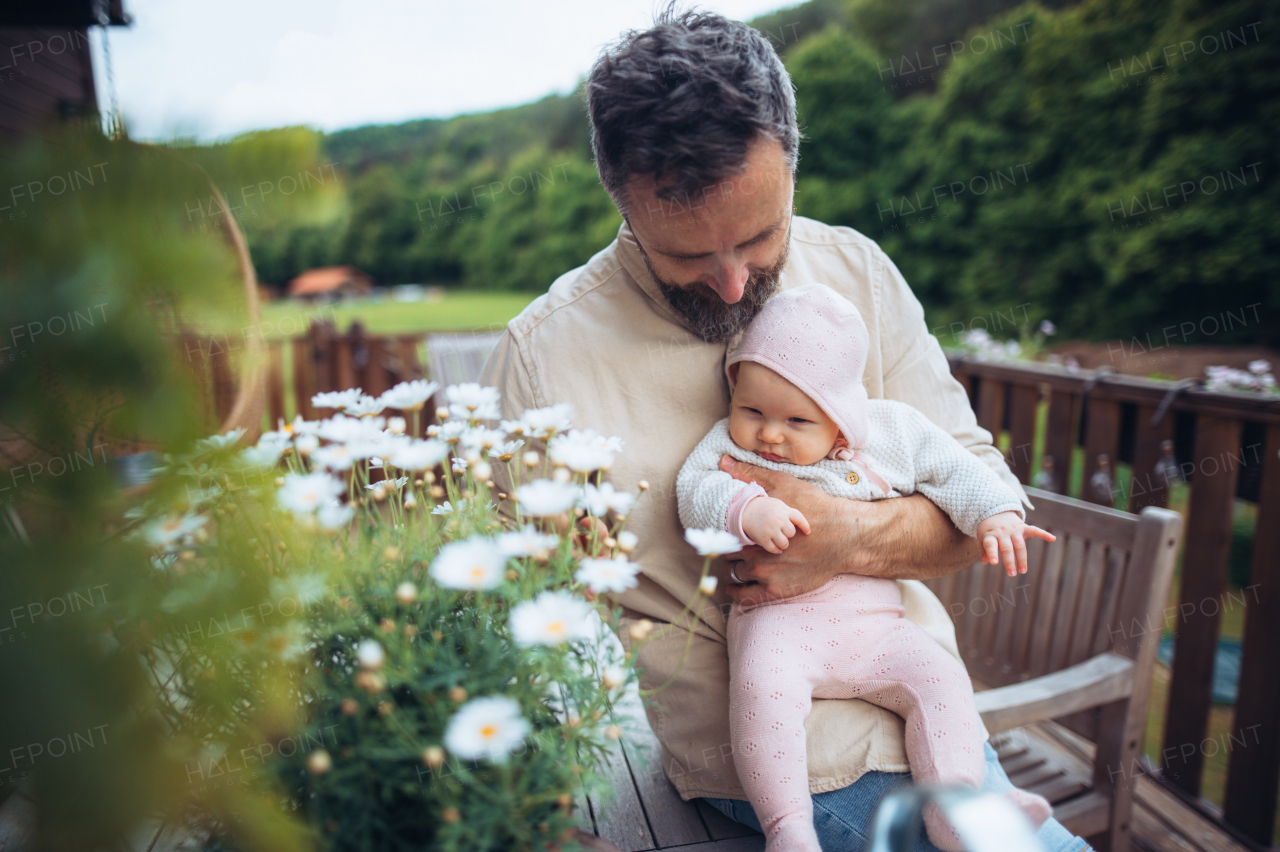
column 775, row 419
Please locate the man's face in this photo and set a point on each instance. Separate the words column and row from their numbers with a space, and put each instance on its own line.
column 717, row 256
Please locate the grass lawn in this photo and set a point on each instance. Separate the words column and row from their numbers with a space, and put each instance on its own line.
column 457, row 310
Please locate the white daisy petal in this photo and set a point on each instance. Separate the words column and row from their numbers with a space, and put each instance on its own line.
column 542, row 497
column 608, row 575
column 551, row 619
column 712, row 542
column 486, row 728
column 473, row 563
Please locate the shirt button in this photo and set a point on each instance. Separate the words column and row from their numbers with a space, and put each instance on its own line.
column 852, row 478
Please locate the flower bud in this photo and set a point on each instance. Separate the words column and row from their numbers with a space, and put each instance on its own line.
column 640, row 630
column 613, row 677
column 350, row 707
column 707, row 586
column 371, row 655
column 613, row 732
column 319, row 762
column 481, row 471
column 531, row 459
column 410, row 502
column 433, row 756
column 406, row 593
column 627, row 541
column 457, row 695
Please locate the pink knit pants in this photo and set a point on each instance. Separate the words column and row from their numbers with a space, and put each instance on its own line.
column 846, row 639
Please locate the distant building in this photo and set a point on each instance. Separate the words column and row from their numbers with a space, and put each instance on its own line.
column 45, row 65
column 326, row 283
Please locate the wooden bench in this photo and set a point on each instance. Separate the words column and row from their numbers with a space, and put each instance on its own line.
column 1072, row 640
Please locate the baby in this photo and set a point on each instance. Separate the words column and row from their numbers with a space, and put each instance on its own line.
column 799, row 407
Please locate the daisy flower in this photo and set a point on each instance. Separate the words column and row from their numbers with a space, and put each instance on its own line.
column 489, row 727
column 221, row 442
column 526, row 542
column 342, row 429
column 306, row 492
column 171, row 531
column 365, row 406
column 542, row 497
column 598, row 500
column 543, row 423
column 337, row 399
column 506, row 452
column 409, row 396
column 551, row 619
column 334, row 515
column 419, row 455
column 712, row 542
column 474, row 563
column 608, row 575
column 584, row 450
column 470, row 401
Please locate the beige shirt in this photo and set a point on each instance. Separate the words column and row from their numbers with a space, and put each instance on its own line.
column 604, row 339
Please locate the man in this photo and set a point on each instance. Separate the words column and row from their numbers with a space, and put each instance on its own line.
column 695, row 137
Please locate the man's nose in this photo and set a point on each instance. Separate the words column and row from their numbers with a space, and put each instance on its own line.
column 731, row 281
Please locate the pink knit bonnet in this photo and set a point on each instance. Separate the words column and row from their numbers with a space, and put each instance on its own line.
column 814, row 338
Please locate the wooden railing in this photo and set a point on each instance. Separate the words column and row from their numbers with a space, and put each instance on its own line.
column 1225, row 446
column 1069, row 432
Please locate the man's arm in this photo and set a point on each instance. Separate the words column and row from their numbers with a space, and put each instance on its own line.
column 906, row 538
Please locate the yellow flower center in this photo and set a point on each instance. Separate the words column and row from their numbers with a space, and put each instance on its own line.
column 556, row 628
column 477, row 573
column 489, row 731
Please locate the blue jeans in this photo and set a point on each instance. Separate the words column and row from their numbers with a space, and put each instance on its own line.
column 843, row 817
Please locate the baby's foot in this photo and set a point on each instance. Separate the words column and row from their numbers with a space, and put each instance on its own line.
column 1036, row 808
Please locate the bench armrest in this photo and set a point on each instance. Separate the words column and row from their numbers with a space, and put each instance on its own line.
column 1099, row 680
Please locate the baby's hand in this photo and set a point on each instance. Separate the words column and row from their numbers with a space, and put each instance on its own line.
column 770, row 523
column 1004, row 533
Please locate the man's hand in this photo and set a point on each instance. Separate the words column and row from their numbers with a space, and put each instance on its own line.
column 771, row 523
column 906, row 538
column 1004, row 534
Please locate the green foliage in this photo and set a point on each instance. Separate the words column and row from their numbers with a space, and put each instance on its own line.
column 1043, row 167
column 95, row 259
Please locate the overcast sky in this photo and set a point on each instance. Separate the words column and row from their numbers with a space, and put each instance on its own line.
column 213, row 70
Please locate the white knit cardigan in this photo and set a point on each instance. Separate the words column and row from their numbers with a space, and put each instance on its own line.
column 906, row 448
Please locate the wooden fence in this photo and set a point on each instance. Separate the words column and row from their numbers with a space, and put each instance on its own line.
column 1223, row 445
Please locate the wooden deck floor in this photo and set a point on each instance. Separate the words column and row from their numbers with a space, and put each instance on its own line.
column 647, row 813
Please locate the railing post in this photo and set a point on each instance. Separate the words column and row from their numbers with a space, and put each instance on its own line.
column 1024, row 402
column 1149, row 489
column 1204, row 574
column 1253, row 769
column 1102, row 438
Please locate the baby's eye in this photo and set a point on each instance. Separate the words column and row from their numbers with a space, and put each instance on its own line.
column 798, row 420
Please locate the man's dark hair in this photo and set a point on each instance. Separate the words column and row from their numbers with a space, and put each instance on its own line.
column 681, row 101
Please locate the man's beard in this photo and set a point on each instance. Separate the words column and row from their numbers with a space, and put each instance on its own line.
column 713, row 319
